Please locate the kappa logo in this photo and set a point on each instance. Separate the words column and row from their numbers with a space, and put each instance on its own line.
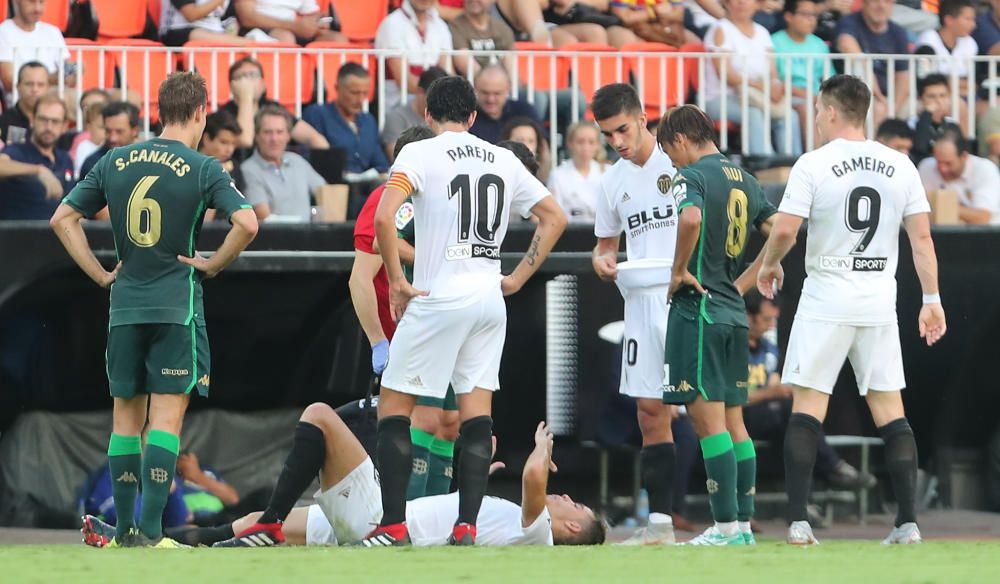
column 127, row 477
column 712, row 486
column 159, row 475
column 626, row 198
column 681, row 387
column 204, row 380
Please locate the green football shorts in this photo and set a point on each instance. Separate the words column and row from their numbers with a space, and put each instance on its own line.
column 448, row 403
column 705, row 359
column 157, row 358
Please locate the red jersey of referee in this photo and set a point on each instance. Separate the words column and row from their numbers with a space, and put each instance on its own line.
column 364, row 240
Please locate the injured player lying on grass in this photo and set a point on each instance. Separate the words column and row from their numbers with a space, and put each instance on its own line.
column 349, row 501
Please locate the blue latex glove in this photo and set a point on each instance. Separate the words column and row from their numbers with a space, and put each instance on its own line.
column 380, row 356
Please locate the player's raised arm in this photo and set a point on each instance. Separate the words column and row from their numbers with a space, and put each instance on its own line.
column 535, row 478
column 66, row 223
column 551, row 224
column 931, row 320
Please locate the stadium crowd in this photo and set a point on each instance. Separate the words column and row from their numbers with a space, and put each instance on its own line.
column 964, row 163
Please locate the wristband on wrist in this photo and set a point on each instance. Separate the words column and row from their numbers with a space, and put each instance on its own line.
column 932, row 299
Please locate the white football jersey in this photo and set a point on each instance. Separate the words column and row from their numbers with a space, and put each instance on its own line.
column 636, row 200
column 854, row 196
column 464, row 190
column 430, row 521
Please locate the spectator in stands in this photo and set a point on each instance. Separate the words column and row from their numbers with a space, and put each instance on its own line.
column 32, row 84
column 93, row 132
column 576, row 183
column 829, row 18
column 289, row 21
column 416, row 28
column 121, row 128
column 205, row 493
column 476, row 28
column 896, row 134
column 197, row 20
column 987, row 30
column 346, row 126
column 988, row 134
column 279, row 183
column 769, row 402
column 558, row 22
column 952, row 44
column 24, row 37
column 246, row 82
column 92, row 100
column 975, row 180
column 528, row 131
column 28, row 188
column 496, row 108
column 871, row 32
column 219, row 142
column 658, row 21
column 935, row 100
column 407, row 115
column 746, row 42
column 770, row 15
column 798, row 39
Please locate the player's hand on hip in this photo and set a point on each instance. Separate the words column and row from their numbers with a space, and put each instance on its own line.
column 201, row 264
column 110, row 277
column 510, row 285
column 606, row 268
column 380, row 356
column 932, row 323
column 400, row 294
column 770, row 279
column 678, row 281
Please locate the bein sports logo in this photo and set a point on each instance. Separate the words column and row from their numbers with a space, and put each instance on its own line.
column 471, row 250
column 852, row 264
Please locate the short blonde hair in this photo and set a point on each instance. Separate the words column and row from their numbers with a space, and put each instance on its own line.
column 602, row 155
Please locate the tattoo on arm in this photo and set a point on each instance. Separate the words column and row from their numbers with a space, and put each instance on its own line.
column 532, row 254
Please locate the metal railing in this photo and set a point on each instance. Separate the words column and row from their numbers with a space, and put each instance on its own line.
column 295, row 76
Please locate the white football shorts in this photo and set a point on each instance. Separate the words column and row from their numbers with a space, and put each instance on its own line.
column 643, row 346
column 437, row 343
column 347, row 511
column 817, row 349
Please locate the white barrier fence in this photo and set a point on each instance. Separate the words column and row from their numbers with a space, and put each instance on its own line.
column 294, row 76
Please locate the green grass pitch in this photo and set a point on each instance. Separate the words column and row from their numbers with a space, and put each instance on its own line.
column 840, row 562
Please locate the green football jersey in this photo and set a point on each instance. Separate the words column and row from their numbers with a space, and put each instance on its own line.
column 405, row 231
column 156, row 192
column 730, row 200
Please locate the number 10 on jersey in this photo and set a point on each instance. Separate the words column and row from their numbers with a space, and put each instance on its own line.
column 489, row 186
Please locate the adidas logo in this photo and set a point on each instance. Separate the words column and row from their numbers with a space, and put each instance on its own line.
column 626, row 198
column 346, row 493
column 796, row 369
column 415, row 381
column 127, row 477
column 259, row 540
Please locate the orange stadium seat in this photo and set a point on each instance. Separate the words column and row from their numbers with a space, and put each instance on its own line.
column 118, row 19
column 155, row 10
column 359, row 19
column 89, row 63
column 655, row 76
column 329, row 63
column 215, row 70
column 592, row 72
column 3, row 10
column 56, row 13
column 284, row 82
column 541, row 71
column 142, row 70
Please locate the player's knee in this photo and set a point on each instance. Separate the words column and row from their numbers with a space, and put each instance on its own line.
column 449, row 426
column 318, row 414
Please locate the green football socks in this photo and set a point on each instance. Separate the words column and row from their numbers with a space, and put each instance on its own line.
column 440, row 469
column 421, row 463
column 720, row 465
column 125, row 462
column 158, row 465
column 746, row 478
